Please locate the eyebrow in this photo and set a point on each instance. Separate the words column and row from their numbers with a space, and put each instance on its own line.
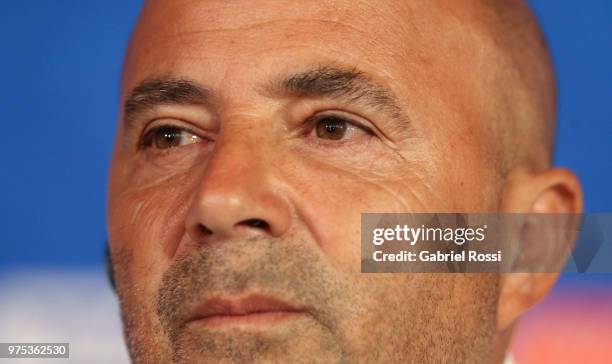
column 162, row 91
column 350, row 84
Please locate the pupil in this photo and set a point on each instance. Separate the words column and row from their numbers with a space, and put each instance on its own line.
column 331, row 128
column 167, row 137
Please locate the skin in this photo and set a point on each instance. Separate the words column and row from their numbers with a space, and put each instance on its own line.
column 180, row 220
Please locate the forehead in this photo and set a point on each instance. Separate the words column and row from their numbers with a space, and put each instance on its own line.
column 220, row 21
column 385, row 36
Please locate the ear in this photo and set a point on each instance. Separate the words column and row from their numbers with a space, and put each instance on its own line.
column 552, row 191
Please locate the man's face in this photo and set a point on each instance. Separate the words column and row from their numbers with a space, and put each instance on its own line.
column 254, row 136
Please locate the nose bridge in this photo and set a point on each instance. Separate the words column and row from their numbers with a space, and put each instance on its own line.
column 234, row 155
column 238, row 194
column 242, row 160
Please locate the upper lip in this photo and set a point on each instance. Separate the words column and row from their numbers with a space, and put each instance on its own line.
column 239, row 306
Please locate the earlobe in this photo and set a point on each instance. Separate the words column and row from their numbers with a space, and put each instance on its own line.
column 554, row 191
column 519, row 292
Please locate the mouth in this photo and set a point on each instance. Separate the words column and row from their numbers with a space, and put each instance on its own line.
column 253, row 310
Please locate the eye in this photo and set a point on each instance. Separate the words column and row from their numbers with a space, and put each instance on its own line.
column 166, row 136
column 337, row 128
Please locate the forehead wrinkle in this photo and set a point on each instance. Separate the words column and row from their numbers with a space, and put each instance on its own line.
column 269, row 23
column 354, row 17
column 359, row 20
column 241, row 12
column 285, row 28
column 148, row 39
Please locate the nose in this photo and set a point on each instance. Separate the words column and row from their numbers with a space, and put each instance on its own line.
column 238, row 195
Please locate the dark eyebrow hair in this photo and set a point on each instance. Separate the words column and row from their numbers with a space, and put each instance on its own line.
column 336, row 82
column 320, row 81
column 159, row 91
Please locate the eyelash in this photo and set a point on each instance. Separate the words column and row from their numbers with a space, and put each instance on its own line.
column 309, row 126
column 147, row 138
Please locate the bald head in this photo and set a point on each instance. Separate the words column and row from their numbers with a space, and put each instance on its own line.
column 527, row 85
column 253, row 135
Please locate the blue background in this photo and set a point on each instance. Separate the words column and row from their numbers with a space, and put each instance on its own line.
column 60, row 65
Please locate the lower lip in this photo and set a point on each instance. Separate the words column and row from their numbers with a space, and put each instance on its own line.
column 252, row 319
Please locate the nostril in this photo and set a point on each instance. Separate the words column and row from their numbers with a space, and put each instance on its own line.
column 203, row 230
column 256, row 223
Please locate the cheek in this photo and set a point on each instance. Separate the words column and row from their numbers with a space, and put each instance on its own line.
column 330, row 201
column 421, row 315
column 144, row 227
